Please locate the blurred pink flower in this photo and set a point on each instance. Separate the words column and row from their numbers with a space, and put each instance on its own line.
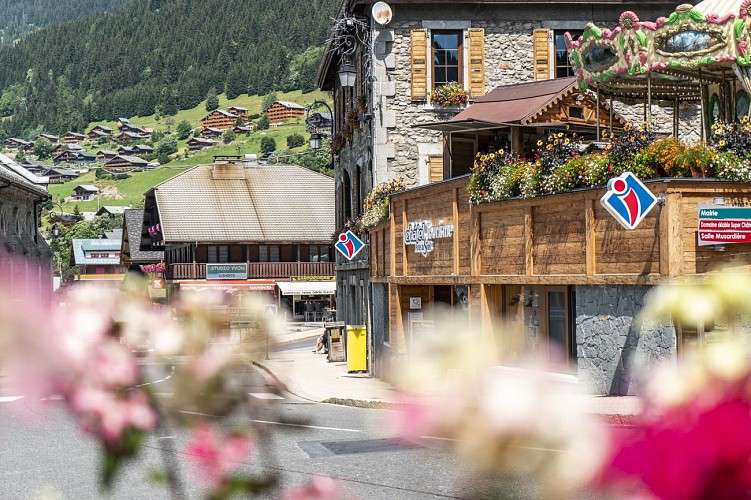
column 211, row 362
column 695, row 450
column 114, row 365
column 216, row 456
column 319, row 488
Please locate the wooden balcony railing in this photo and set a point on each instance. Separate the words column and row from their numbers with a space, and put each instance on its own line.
column 257, row 270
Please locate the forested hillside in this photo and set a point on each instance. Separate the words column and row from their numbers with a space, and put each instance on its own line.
column 158, row 56
column 18, row 17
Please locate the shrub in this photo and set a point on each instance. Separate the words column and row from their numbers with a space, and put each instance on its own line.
column 451, row 94
column 295, row 140
column 727, row 165
column 268, row 144
column 376, row 207
column 485, row 169
column 734, row 137
column 570, row 175
column 633, row 140
column 557, row 151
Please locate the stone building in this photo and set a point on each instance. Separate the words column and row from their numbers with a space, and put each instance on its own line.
column 21, row 193
column 397, row 57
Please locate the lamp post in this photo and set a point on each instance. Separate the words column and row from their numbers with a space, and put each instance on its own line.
column 315, row 122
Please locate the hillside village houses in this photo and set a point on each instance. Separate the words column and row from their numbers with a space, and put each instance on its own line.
column 396, row 65
column 281, row 111
column 73, row 137
column 219, row 119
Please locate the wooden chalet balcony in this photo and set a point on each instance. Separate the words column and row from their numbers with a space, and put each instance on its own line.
column 258, row 270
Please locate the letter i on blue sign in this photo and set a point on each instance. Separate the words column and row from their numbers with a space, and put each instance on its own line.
column 628, row 200
column 349, row 245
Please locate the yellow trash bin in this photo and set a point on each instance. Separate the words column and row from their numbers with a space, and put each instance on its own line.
column 357, row 347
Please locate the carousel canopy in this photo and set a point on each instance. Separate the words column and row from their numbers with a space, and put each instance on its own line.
column 670, row 59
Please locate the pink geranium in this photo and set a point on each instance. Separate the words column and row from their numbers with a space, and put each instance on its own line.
column 319, row 488
column 216, row 455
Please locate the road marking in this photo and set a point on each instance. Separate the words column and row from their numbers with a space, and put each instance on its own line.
column 54, row 397
column 265, row 395
column 287, row 424
column 9, row 399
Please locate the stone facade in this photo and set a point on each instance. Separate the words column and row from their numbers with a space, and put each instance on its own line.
column 403, row 150
column 613, row 344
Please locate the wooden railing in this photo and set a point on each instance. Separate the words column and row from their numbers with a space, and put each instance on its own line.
column 258, row 270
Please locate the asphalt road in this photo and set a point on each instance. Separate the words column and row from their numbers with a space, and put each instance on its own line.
column 43, row 454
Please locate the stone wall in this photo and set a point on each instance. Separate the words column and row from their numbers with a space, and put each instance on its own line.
column 403, row 150
column 613, row 344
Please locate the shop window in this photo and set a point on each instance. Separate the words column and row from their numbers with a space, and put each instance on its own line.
column 463, row 153
column 540, row 317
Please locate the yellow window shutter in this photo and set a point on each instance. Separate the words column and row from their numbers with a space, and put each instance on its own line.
column 419, row 64
column 435, row 168
column 476, row 62
column 541, row 43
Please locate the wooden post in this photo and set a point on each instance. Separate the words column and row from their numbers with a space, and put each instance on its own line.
column 591, row 248
column 671, row 241
column 456, row 230
column 529, row 262
column 404, row 243
column 392, row 241
column 475, row 249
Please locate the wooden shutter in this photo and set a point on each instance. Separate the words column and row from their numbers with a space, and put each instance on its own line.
column 435, row 168
column 541, row 42
column 419, row 64
column 476, row 62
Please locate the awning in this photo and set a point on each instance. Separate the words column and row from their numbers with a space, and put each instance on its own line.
column 226, row 285
column 307, row 287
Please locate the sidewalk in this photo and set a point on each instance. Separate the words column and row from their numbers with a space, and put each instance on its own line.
column 310, row 376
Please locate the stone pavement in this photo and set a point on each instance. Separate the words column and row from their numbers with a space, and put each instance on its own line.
column 310, row 376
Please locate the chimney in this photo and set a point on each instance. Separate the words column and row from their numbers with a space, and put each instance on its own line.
column 228, row 168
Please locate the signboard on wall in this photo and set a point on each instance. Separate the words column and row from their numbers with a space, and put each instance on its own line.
column 226, row 271
column 421, row 234
column 723, row 225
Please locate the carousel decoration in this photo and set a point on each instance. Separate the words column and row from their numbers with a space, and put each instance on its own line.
column 699, row 54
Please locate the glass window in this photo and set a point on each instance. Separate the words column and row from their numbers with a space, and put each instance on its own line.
column 263, row 253
column 563, row 66
column 224, row 253
column 213, row 254
column 742, row 102
column 447, row 51
column 323, row 253
column 274, row 253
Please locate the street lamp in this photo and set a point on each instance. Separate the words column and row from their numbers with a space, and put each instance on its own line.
column 347, row 74
column 315, row 122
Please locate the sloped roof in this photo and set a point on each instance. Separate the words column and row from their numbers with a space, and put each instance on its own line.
column 112, row 209
column 81, row 246
column 15, row 173
column 517, row 104
column 133, row 227
column 290, row 104
column 62, row 171
column 274, row 203
column 88, row 187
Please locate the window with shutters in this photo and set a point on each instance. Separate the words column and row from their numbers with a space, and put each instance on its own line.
column 447, row 57
column 563, row 67
column 439, row 57
column 435, row 168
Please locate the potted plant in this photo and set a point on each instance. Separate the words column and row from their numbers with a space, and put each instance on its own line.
column 451, row 94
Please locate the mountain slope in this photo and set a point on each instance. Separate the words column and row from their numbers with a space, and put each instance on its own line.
column 18, row 17
column 158, row 56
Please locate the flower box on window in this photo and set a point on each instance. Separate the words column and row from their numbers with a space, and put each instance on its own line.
column 450, row 95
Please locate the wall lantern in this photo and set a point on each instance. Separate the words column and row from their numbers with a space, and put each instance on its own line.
column 315, row 141
column 347, row 75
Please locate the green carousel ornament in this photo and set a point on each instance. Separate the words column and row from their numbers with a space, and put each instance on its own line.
column 696, row 54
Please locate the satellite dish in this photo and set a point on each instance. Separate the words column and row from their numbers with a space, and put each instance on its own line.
column 381, row 13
